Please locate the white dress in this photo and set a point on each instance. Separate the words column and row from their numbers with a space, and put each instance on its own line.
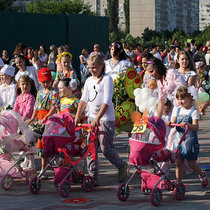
column 119, row 67
column 7, row 95
column 31, row 72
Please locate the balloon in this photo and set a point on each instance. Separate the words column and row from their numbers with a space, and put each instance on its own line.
column 138, row 58
column 53, row 75
column 203, row 97
column 132, row 81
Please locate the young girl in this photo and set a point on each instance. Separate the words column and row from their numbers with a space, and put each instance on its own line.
column 26, row 94
column 97, row 93
column 117, row 62
column 186, row 114
column 25, row 70
column 7, row 89
column 186, row 67
column 66, row 72
column 46, row 101
column 24, row 104
column 67, row 99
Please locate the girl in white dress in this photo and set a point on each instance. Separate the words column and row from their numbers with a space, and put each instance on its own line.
column 117, row 62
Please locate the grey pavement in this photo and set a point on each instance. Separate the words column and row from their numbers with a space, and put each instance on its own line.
column 105, row 195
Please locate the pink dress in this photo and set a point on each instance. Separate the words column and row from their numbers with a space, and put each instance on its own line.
column 25, row 105
column 167, row 87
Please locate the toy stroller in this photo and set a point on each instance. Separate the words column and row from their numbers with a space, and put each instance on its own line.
column 146, row 148
column 14, row 147
column 61, row 144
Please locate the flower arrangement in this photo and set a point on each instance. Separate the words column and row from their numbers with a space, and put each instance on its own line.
column 37, row 128
column 119, row 93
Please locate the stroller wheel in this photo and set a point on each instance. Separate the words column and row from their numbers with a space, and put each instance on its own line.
column 179, row 191
column 156, row 197
column 6, row 182
column 34, row 187
column 88, row 183
column 123, row 192
column 30, row 175
column 64, row 188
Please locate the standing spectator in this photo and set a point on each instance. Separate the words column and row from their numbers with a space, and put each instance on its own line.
column 5, row 57
column 129, row 52
column 83, row 65
column 52, row 58
column 7, row 89
column 25, row 70
column 117, row 62
column 97, row 50
column 171, row 55
column 58, row 61
column 43, row 56
column 137, row 52
column 156, row 53
column 199, row 54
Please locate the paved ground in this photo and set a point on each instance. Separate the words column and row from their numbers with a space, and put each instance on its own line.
column 104, row 196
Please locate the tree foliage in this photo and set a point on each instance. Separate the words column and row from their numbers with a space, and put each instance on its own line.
column 59, row 7
column 113, row 14
column 164, row 38
column 6, row 5
column 127, row 16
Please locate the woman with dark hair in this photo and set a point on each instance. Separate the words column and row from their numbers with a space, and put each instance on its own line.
column 117, row 62
column 43, row 56
column 168, row 81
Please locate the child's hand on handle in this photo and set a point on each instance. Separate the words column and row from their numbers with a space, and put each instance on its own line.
column 94, row 123
column 182, row 124
column 169, row 124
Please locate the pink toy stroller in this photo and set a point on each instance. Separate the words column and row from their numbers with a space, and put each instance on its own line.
column 61, row 144
column 147, row 149
column 14, row 146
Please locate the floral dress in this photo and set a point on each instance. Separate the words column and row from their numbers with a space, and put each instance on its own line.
column 69, row 103
column 45, row 101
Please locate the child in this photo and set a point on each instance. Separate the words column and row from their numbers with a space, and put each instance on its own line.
column 66, row 72
column 7, row 89
column 203, row 77
column 26, row 93
column 98, row 92
column 24, row 104
column 67, row 99
column 46, row 101
column 167, row 116
column 187, row 114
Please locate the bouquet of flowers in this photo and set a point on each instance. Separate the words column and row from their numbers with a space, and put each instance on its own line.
column 37, row 128
column 119, row 93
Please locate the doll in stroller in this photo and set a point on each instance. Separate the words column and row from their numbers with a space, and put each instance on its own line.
column 146, row 149
column 14, row 148
column 64, row 150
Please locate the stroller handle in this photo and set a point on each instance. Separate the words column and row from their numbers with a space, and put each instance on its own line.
column 185, row 132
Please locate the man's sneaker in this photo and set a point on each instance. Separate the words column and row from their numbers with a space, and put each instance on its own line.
column 204, row 179
column 122, row 172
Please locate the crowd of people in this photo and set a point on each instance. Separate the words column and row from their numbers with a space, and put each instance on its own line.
column 37, row 85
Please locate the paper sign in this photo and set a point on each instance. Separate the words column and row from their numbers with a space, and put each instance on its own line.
column 139, row 129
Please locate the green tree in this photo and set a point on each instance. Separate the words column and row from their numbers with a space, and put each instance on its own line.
column 113, row 14
column 6, row 5
column 59, row 7
column 127, row 16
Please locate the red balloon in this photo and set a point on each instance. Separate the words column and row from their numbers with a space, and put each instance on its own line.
column 138, row 58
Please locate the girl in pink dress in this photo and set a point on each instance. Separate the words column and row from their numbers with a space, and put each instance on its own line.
column 24, row 105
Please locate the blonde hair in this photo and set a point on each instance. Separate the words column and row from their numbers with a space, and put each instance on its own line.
column 97, row 59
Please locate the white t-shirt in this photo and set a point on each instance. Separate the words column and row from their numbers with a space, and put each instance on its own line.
column 31, row 72
column 97, row 94
column 7, row 95
column 185, row 112
column 188, row 74
column 120, row 67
